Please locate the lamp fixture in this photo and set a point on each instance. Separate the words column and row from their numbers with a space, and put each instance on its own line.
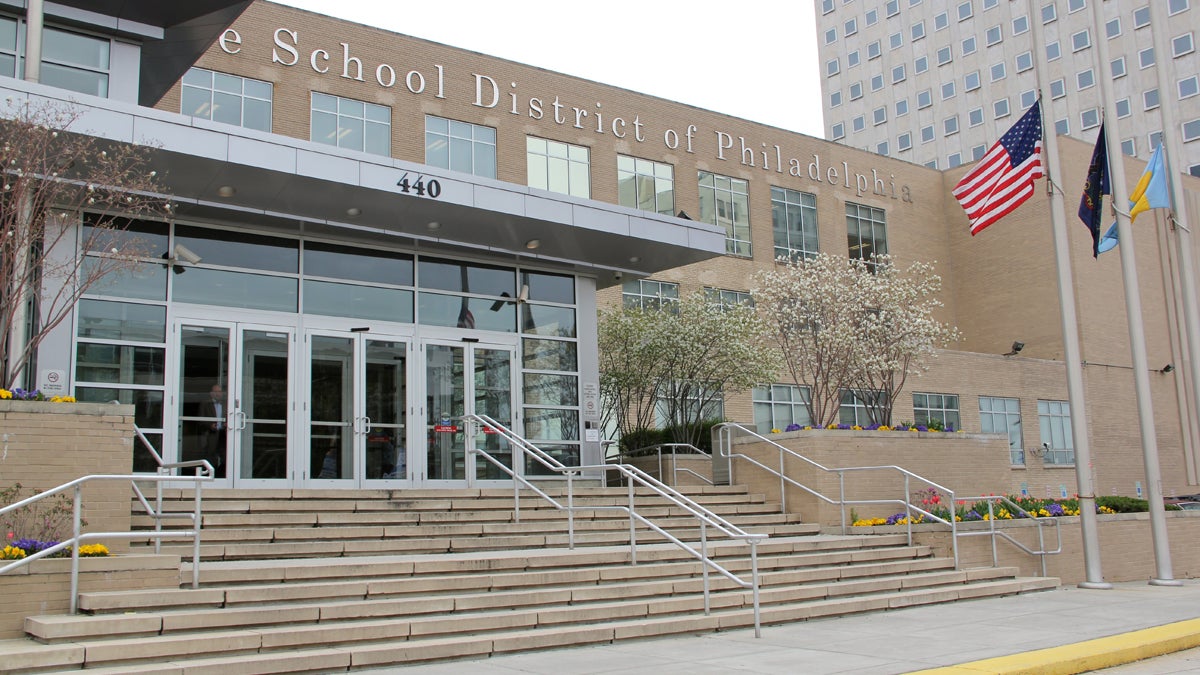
column 353, row 211
column 434, row 226
column 1017, row 346
column 227, row 191
column 533, row 244
column 635, row 259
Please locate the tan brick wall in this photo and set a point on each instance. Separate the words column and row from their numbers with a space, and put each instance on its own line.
column 48, row 444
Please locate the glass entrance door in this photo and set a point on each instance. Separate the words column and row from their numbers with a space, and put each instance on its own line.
column 463, row 379
column 357, row 409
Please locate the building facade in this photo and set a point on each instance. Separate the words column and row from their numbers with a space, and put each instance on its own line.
column 958, row 73
column 377, row 234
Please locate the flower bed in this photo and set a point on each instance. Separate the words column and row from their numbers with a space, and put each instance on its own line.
column 1030, row 507
column 19, row 394
column 902, row 426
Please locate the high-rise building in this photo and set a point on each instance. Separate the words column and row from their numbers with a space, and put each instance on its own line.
column 936, row 82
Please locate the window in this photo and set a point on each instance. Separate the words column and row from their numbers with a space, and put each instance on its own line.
column 724, row 298
column 971, row 81
column 794, row 221
column 1085, row 79
column 1054, row 420
column 904, row 142
column 965, row 11
column 725, row 202
column 460, row 146
column 650, row 295
column 882, row 148
column 1129, row 147
column 898, row 74
column 1053, row 51
column 874, row 50
column 831, row 36
column 954, row 160
column 1058, row 89
column 838, row 131
column 978, row 152
column 968, row 45
column 1150, row 99
column 950, row 125
column 1062, row 127
column 1089, row 119
column 1176, row 6
column 872, row 17
column 1188, row 87
column 1029, row 97
column 993, row 36
column 918, row 30
column 1024, row 61
column 876, row 82
column 1003, row 416
column 646, row 185
column 1146, row 57
column 852, row 59
column 858, row 407
column 858, row 123
column 1155, row 139
column 1048, row 13
column 931, row 164
column 1020, row 25
column 921, row 64
column 1075, row 5
column 1000, row 108
column 1181, row 45
column 937, row 410
column 975, row 117
column 989, row 4
column 999, row 72
column 892, row 8
column 1191, row 130
column 1141, row 17
column 75, row 62
column 927, row 134
column 226, row 98
column 856, row 91
column 1112, row 29
column 1194, row 170
column 895, row 40
column 835, row 99
column 879, row 115
column 1118, row 67
column 826, row 6
column 558, row 167
column 832, row 67
column 944, row 56
column 851, row 27
column 1081, row 40
column 947, row 90
column 941, row 21
column 351, row 124
column 1124, row 109
column 779, row 406
column 866, row 231
column 924, row 99
column 902, row 107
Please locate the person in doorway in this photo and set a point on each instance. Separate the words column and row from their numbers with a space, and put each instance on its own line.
column 329, row 466
column 215, row 429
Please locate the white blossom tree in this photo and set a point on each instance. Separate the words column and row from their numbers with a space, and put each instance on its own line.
column 51, row 174
column 847, row 324
column 679, row 361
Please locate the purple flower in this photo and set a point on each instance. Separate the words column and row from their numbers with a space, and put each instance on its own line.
column 31, row 546
column 793, row 427
column 972, row 515
column 922, row 427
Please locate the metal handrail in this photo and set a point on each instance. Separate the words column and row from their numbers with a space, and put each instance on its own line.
column 165, row 469
column 1041, row 551
column 633, row 475
column 725, row 449
column 79, row 537
column 658, row 449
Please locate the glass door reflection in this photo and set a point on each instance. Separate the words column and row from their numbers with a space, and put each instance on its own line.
column 492, row 396
column 331, row 408
column 445, row 404
column 203, row 396
column 263, row 404
column 385, row 408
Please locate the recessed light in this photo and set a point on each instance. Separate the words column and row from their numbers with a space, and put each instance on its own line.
column 533, row 244
column 634, row 259
column 434, row 225
column 353, row 211
column 227, row 191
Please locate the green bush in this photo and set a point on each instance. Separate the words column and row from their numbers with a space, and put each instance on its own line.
column 1124, row 504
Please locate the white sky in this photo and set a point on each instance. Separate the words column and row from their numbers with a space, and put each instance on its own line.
column 767, row 73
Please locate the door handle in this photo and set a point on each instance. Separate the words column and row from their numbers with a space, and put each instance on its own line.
column 239, row 420
column 366, row 424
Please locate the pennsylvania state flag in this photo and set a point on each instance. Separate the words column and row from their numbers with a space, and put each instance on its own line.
column 1151, row 192
column 1094, row 188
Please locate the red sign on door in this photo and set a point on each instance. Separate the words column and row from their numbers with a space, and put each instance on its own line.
column 445, row 429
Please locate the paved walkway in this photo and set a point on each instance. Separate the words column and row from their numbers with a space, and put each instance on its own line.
column 1091, row 629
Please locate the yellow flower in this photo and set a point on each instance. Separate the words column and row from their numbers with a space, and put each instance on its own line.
column 934, row 431
column 93, row 550
column 884, row 427
column 775, row 431
column 5, row 394
column 62, row 399
column 832, row 425
column 808, row 428
column 856, row 428
column 913, row 429
column 11, row 552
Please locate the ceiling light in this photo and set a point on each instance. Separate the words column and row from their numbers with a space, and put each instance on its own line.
column 533, row 244
column 353, row 211
column 434, row 225
column 227, row 191
column 635, row 259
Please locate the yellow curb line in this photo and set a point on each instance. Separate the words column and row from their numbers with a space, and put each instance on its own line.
column 1082, row 657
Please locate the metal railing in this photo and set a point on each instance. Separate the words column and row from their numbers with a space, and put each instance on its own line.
column 1042, row 524
column 166, row 469
column 672, row 450
column 523, row 449
column 725, row 448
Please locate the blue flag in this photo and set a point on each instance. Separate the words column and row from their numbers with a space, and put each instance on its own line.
column 1150, row 193
column 1094, row 188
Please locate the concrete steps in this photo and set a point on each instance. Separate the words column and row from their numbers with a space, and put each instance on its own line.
column 347, row 580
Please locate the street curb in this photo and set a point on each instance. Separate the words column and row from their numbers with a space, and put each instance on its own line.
column 1082, row 657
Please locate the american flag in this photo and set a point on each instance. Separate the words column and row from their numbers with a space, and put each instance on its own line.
column 1003, row 179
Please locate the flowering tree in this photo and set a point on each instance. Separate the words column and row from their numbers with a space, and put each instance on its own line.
column 850, row 324
column 679, row 361
column 50, row 175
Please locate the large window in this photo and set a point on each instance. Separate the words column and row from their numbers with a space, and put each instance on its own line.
column 460, row 146
column 650, row 295
column 351, row 124
column 936, row 410
column 646, row 185
column 225, row 98
column 866, row 231
column 698, row 402
column 1003, row 416
column 725, row 298
column 76, row 62
column 559, row 167
column 1054, row 420
column 725, row 202
column 779, row 406
column 794, row 220
column 857, row 407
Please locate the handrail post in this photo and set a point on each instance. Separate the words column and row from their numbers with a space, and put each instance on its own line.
column 158, row 501
column 754, row 587
column 661, row 476
column 908, row 509
column 77, row 510
column 632, row 526
column 518, row 461
column 782, row 484
column 197, row 525
column 704, row 565
column 842, row 497
column 953, row 528
column 571, row 509
column 992, row 527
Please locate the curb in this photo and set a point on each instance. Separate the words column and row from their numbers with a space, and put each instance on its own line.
column 1082, row 657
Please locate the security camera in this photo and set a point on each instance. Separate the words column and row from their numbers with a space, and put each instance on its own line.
column 617, row 275
column 187, row 255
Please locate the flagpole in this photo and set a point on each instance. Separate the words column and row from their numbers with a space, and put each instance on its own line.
column 1183, row 236
column 1133, row 310
column 1093, row 578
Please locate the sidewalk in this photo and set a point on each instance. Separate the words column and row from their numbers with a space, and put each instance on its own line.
column 902, row 641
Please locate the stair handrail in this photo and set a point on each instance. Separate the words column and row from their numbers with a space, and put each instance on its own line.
column 704, row 516
column 78, row 537
column 725, row 449
column 658, row 450
column 165, row 469
column 1012, row 506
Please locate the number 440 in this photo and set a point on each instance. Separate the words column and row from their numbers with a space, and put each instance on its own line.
column 420, row 186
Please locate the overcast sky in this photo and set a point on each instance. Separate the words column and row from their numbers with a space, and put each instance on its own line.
column 755, row 59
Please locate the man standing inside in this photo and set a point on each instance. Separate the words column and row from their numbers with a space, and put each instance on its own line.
column 214, row 410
